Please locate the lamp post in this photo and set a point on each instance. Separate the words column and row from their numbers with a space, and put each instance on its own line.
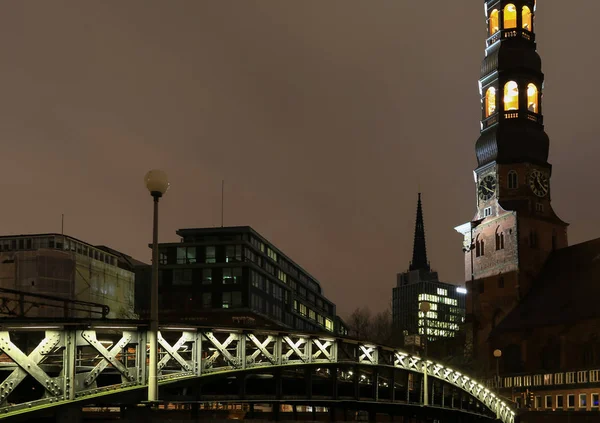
column 498, row 354
column 158, row 184
column 425, row 307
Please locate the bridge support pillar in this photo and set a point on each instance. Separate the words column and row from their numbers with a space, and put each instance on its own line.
column 69, row 415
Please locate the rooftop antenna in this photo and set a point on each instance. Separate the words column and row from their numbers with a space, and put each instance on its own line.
column 62, row 224
column 222, row 199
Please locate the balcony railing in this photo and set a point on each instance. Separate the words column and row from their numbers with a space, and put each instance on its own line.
column 510, row 33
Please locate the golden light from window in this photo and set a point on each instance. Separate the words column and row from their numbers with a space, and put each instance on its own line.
column 511, row 96
column 490, row 101
column 527, row 18
column 494, row 22
column 532, row 98
column 510, row 16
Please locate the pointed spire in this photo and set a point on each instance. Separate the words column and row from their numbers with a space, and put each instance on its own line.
column 419, row 260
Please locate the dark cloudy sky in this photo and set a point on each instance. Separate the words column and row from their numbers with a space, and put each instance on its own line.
column 324, row 118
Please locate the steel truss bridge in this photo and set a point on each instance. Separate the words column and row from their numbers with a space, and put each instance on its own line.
column 51, row 366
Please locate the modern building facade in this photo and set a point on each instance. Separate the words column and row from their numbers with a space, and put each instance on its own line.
column 234, row 276
column 419, row 285
column 61, row 266
column 531, row 296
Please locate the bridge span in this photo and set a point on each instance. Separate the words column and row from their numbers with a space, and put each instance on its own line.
column 64, row 364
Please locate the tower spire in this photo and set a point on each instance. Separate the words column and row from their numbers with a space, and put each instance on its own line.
column 419, row 259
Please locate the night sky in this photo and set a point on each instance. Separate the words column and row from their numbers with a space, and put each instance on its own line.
column 324, row 118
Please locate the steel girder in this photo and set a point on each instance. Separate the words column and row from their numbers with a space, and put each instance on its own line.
column 81, row 364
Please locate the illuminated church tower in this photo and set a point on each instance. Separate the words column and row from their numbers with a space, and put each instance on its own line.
column 515, row 228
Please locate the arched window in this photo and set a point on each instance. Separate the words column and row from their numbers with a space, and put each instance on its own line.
column 494, row 22
column 499, row 239
column 490, row 102
column 513, row 180
column 532, row 98
column 510, row 16
column 511, row 96
column 527, row 18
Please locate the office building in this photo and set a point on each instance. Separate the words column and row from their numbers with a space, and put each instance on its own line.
column 234, row 276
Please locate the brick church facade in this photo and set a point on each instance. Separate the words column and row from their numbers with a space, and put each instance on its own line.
column 530, row 295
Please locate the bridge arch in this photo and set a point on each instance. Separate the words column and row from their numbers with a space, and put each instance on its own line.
column 102, row 359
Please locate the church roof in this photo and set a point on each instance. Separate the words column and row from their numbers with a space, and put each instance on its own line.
column 566, row 291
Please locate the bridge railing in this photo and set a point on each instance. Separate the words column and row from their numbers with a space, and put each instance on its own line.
column 84, row 361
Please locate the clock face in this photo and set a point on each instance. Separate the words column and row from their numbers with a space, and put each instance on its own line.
column 538, row 182
column 487, row 187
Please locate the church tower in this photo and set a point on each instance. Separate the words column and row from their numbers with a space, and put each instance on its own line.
column 514, row 228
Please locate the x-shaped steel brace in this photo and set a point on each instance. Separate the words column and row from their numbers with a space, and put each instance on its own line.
column 412, row 363
column 262, row 348
column 400, row 360
column 173, row 351
column 367, row 353
column 324, row 348
column 28, row 364
column 108, row 357
column 294, row 348
column 221, row 349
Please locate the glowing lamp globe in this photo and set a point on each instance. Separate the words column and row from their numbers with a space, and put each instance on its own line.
column 157, row 182
column 497, row 353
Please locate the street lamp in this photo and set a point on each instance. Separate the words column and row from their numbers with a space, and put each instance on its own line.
column 425, row 307
column 498, row 354
column 158, row 184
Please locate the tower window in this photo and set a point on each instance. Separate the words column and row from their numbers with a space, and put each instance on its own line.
column 513, row 180
column 532, row 98
column 499, row 239
column 527, row 18
column 539, row 207
column 511, row 96
column 494, row 22
column 533, row 239
column 479, row 247
column 490, row 102
column 487, row 212
column 510, row 16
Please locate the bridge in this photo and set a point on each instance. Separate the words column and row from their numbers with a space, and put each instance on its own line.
column 51, row 366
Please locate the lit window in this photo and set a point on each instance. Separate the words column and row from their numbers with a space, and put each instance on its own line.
column 582, row 400
column 532, row 98
column 210, row 255
column 510, row 16
column 511, row 96
column 272, row 254
column 490, row 102
column 329, row 325
column 527, row 18
column 494, row 22
column 513, row 180
column 595, row 400
column 206, row 276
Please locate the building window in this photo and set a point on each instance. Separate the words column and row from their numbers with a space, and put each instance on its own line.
column 479, row 247
column 499, row 239
column 537, row 402
column 559, row 401
column 494, row 22
column 302, row 309
column 539, row 207
column 532, row 98
column 533, row 239
column 582, row 400
column 501, row 282
column 182, row 276
column 487, row 212
column 162, row 257
column 206, row 300
column 210, row 254
column 571, row 401
column 231, row 276
column 272, row 254
column 548, row 401
column 513, row 180
column 233, row 253
column 490, row 102
column 511, row 95
column 282, row 276
column 232, row 299
column 329, row 325
column 595, row 400
column 527, row 18
column 206, row 276
column 510, row 16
